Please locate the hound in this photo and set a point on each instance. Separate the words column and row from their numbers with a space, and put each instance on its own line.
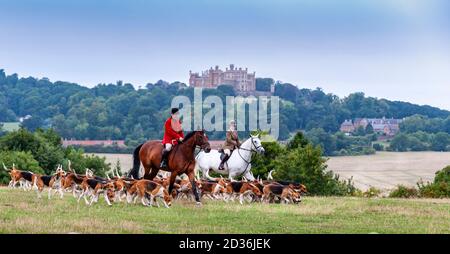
column 93, row 187
column 213, row 189
column 285, row 193
column 72, row 180
column 18, row 176
column 107, row 188
column 144, row 188
column 300, row 188
column 120, row 185
column 241, row 189
column 185, row 188
column 54, row 182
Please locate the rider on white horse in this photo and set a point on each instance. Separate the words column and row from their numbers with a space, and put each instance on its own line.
column 239, row 162
column 231, row 143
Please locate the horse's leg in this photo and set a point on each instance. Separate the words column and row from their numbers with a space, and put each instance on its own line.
column 147, row 171
column 194, row 186
column 173, row 177
column 153, row 173
column 197, row 170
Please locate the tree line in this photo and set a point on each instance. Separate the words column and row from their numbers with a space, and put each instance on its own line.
column 41, row 152
column 119, row 111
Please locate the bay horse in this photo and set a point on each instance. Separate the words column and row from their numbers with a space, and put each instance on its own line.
column 180, row 160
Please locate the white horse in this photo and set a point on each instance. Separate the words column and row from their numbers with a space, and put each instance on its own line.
column 239, row 162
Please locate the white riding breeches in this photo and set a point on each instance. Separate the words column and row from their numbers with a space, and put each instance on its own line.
column 168, row 147
column 227, row 152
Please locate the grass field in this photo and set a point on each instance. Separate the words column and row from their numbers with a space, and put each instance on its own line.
column 22, row 212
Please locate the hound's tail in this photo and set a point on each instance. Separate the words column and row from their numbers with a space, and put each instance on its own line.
column 134, row 172
column 269, row 176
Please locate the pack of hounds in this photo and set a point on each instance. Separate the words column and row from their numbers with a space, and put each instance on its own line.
column 120, row 188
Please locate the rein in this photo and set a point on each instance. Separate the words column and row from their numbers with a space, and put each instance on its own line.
column 187, row 163
column 250, row 150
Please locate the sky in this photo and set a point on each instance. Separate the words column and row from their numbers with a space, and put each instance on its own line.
column 398, row 49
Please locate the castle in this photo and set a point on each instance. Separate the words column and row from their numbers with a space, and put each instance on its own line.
column 240, row 79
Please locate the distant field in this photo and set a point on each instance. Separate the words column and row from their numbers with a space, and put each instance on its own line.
column 11, row 126
column 383, row 170
column 22, row 212
column 387, row 169
column 126, row 160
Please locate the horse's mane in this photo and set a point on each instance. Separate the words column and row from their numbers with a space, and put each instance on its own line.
column 189, row 135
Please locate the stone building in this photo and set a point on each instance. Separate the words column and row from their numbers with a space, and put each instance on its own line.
column 388, row 127
column 239, row 78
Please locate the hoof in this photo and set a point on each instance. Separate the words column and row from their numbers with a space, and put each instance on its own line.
column 198, row 204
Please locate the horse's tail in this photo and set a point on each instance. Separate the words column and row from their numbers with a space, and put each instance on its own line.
column 134, row 172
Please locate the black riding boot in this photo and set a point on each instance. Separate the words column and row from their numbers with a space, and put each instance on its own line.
column 225, row 158
column 164, row 159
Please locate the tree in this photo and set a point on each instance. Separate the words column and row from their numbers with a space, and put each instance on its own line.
column 360, row 131
column 22, row 161
column 226, row 90
column 45, row 148
column 298, row 141
column 264, row 84
column 2, row 132
column 307, row 166
column 378, row 147
column 262, row 164
column 32, row 123
column 440, row 142
column 113, row 110
column 369, row 129
column 400, row 143
column 80, row 162
column 286, row 91
column 318, row 136
column 416, row 145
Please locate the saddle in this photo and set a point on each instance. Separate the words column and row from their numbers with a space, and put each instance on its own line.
column 222, row 153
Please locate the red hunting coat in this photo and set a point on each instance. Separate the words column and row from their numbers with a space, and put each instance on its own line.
column 172, row 131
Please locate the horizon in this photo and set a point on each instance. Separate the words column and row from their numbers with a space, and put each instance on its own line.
column 386, row 49
column 137, row 87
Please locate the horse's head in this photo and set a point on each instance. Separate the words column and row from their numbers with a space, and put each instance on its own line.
column 256, row 144
column 201, row 140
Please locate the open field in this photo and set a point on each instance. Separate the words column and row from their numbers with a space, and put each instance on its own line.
column 126, row 160
column 22, row 212
column 383, row 170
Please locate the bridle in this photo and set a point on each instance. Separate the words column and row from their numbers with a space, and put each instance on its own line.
column 186, row 164
column 251, row 151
